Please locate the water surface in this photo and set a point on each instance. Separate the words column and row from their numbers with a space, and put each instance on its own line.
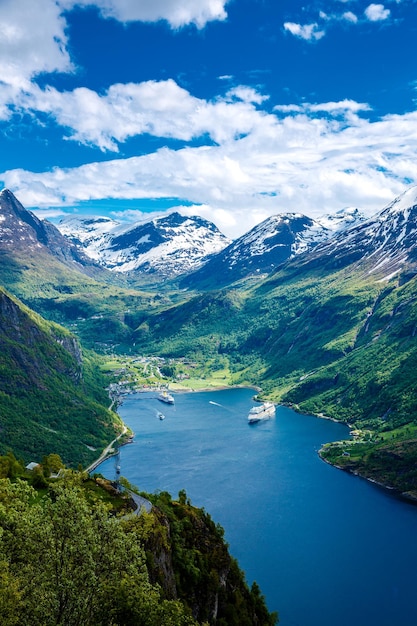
column 326, row 548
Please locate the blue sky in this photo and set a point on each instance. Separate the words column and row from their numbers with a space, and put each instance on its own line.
column 232, row 110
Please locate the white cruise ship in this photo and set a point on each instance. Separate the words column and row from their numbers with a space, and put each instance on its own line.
column 164, row 396
column 262, row 412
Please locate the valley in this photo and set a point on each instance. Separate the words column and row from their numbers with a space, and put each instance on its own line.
column 330, row 330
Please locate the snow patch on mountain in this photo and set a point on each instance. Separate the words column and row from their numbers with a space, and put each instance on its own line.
column 342, row 219
column 168, row 245
column 385, row 244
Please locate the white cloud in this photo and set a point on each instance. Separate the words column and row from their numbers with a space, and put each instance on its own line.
column 315, row 31
column 343, row 107
column 177, row 13
column 308, row 32
column 246, row 94
column 336, row 107
column 32, row 41
column 299, row 163
column 377, row 13
column 33, row 37
column 159, row 108
column 313, row 158
column 350, row 17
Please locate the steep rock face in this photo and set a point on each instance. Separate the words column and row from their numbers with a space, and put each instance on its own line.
column 260, row 250
column 38, row 351
column 48, row 402
column 191, row 561
column 166, row 246
column 384, row 245
column 22, row 232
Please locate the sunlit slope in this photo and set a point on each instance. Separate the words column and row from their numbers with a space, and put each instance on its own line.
column 333, row 332
column 51, row 396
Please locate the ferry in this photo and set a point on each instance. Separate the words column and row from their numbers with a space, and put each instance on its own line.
column 262, row 412
column 164, row 396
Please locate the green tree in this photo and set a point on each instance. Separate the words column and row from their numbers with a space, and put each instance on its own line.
column 51, row 464
column 10, row 467
column 66, row 563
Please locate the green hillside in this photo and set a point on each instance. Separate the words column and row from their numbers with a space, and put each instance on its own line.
column 52, row 398
column 102, row 310
column 75, row 554
column 337, row 342
column 322, row 334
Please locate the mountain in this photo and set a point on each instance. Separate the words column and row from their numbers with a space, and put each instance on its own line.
column 267, row 246
column 331, row 331
column 22, row 232
column 50, row 401
column 384, row 245
column 341, row 220
column 54, row 277
column 165, row 246
column 36, row 260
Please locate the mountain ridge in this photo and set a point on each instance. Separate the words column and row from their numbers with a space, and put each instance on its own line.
column 167, row 246
column 22, row 231
column 49, row 402
column 195, row 251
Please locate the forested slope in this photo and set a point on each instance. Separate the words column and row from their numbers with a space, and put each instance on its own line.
column 52, row 398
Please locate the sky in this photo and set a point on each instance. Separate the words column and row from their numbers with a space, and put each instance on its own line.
column 233, row 110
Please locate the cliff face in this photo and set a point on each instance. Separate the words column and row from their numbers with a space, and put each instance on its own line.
column 21, row 230
column 47, row 402
column 188, row 556
column 38, row 349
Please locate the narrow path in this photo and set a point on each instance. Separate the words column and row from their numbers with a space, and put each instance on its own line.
column 105, row 452
column 140, row 501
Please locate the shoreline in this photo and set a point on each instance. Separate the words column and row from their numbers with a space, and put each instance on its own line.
column 410, row 498
column 214, row 388
column 107, row 452
column 405, row 496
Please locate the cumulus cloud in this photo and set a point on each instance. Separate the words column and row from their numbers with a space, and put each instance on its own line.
column 310, row 157
column 377, row 13
column 350, row 17
column 246, row 94
column 299, row 163
column 29, row 46
column 317, row 30
column 308, row 32
column 177, row 13
column 158, row 108
column 33, row 35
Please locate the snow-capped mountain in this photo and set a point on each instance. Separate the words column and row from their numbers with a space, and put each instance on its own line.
column 341, row 220
column 268, row 245
column 383, row 245
column 21, row 232
column 167, row 246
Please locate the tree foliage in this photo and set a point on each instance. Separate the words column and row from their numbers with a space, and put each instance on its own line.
column 66, row 562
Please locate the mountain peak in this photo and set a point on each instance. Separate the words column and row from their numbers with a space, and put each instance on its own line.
column 168, row 245
column 23, row 233
column 384, row 245
column 406, row 200
column 260, row 251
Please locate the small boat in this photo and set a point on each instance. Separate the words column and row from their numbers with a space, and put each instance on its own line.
column 161, row 416
column 262, row 412
column 164, row 396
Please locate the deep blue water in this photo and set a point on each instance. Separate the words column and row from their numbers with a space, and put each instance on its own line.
column 326, row 548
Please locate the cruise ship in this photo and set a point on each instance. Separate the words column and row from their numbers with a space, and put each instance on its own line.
column 164, row 396
column 262, row 412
